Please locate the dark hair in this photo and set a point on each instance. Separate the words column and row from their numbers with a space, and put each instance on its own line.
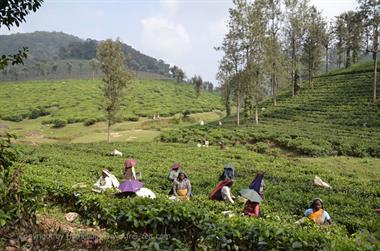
column 315, row 200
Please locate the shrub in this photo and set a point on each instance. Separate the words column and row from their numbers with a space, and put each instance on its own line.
column 14, row 118
column 261, row 147
column 132, row 118
column 38, row 112
column 59, row 123
column 89, row 122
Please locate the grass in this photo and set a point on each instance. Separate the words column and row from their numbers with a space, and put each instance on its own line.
column 32, row 131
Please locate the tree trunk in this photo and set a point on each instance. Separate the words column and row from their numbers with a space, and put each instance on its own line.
column 274, row 84
column 293, row 65
column 274, row 90
column 238, row 110
column 109, row 131
column 348, row 58
column 374, row 76
column 327, row 59
column 93, row 75
column 293, row 84
column 257, row 114
column 310, row 68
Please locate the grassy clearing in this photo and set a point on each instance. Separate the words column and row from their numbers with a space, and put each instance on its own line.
column 144, row 130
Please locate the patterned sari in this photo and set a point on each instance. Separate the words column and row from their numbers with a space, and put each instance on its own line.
column 318, row 217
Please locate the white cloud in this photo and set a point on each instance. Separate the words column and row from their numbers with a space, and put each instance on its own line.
column 164, row 39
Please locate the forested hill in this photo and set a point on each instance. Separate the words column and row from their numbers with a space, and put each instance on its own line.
column 67, row 52
column 336, row 117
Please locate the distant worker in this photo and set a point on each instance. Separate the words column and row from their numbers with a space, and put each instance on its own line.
column 222, row 145
column 220, row 123
column 206, row 143
column 129, row 171
column 199, row 144
column 202, row 123
column 182, row 187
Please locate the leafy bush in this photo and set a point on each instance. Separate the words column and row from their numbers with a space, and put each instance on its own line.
column 132, row 118
column 14, row 118
column 59, row 123
column 89, row 122
column 261, row 147
column 38, row 112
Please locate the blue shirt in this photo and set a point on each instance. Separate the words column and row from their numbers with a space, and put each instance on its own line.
column 326, row 215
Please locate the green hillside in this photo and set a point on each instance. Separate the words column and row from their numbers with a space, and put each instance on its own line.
column 57, row 55
column 78, row 100
column 337, row 117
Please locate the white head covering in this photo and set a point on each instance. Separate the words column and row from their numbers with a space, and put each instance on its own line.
column 114, row 180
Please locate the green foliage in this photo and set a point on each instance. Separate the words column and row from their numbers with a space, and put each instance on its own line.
column 116, row 77
column 14, row 12
column 53, row 170
column 59, row 123
column 337, row 117
column 89, row 122
column 55, row 48
column 77, row 100
column 13, row 205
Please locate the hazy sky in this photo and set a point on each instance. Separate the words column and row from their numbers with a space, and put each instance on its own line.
column 181, row 32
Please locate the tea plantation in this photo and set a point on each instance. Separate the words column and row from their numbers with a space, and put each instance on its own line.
column 52, row 171
column 74, row 101
column 336, row 117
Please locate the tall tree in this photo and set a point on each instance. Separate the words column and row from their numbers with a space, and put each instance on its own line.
column 371, row 12
column 295, row 33
column 111, row 57
column 254, row 45
column 234, row 50
column 273, row 52
column 177, row 73
column 340, row 33
column 313, row 43
column 13, row 12
column 326, row 40
column 224, row 76
column 197, row 82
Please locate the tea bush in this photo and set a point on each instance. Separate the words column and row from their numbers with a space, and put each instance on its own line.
column 52, row 170
column 78, row 100
column 337, row 117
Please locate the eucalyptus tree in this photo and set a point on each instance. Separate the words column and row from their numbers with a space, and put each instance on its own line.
column 295, row 29
column 273, row 13
column 233, row 49
column 312, row 47
column 370, row 10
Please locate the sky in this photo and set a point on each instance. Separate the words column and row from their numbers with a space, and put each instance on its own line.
column 180, row 32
